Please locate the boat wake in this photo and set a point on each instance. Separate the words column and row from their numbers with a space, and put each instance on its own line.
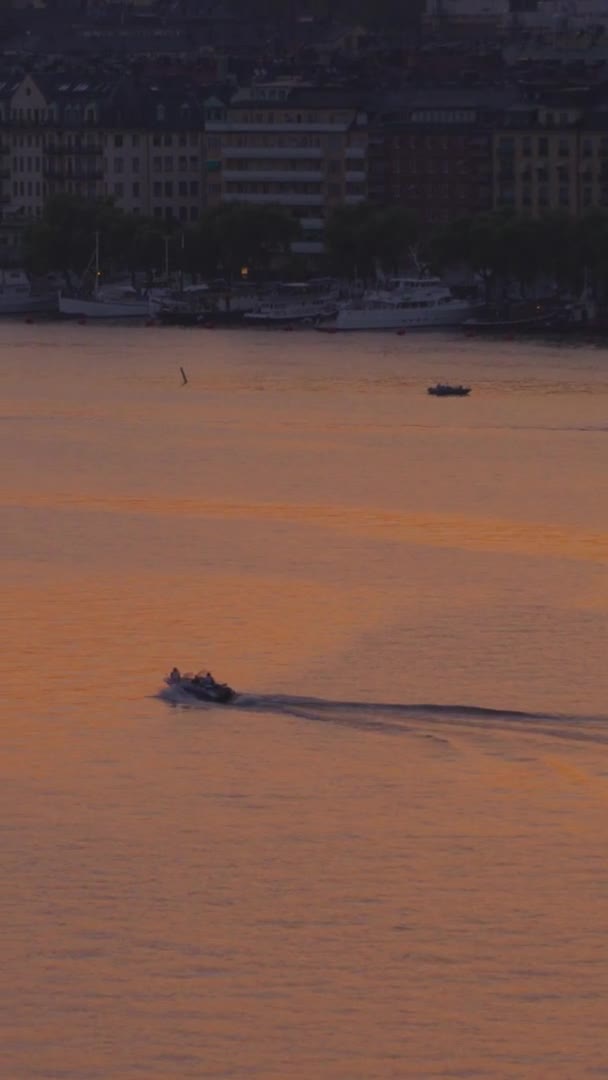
column 409, row 718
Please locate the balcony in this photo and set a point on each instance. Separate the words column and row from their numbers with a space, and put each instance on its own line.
column 298, row 153
column 355, row 152
column 69, row 151
column 58, row 173
column 287, row 199
column 275, row 176
column 307, row 247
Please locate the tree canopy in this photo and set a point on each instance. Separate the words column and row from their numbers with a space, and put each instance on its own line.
column 363, row 238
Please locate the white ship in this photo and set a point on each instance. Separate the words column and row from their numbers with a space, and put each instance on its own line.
column 17, row 298
column 412, row 303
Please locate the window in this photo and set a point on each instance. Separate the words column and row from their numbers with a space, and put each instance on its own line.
column 168, row 164
column 183, row 187
column 168, row 189
column 119, row 189
column 194, row 213
column 136, row 189
column 118, row 140
column 157, row 164
column 156, row 140
column 183, row 213
column 183, row 163
column 194, row 187
column 543, row 146
column 135, row 140
column 157, row 188
column 135, row 164
column 168, row 140
column 193, row 162
column 119, row 164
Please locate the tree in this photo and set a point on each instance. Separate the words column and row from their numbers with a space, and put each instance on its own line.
column 237, row 235
column 362, row 237
column 64, row 238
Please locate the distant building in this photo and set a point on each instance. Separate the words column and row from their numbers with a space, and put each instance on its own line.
column 299, row 147
column 143, row 146
column 552, row 156
column 432, row 153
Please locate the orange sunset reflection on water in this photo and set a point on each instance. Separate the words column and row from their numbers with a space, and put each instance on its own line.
column 388, row 858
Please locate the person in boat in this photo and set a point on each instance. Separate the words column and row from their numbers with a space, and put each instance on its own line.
column 208, row 680
column 175, row 675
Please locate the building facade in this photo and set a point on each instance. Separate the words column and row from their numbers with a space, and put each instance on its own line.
column 432, row 153
column 292, row 146
column 142, row 147
column 552, row 158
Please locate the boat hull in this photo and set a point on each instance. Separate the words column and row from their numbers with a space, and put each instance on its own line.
column 72, row 307
column 27, row 305
column 397, row 319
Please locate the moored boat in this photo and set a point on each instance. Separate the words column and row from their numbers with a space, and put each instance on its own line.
column 18, row 298
column 414, row 303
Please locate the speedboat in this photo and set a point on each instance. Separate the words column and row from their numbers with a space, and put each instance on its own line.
column 445, row 390
column 202, row 686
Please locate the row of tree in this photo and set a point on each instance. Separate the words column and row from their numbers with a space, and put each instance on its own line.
column 360, row 241
column 224, row 241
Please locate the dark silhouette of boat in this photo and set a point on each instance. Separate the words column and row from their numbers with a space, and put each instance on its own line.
column 447, row 390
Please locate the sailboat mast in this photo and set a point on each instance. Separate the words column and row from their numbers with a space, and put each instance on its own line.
column 97, row 270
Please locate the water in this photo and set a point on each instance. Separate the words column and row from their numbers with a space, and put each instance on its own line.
column 388, row 859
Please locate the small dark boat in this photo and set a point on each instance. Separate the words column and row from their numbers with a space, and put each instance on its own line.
column 446, row 390
column 203, row 687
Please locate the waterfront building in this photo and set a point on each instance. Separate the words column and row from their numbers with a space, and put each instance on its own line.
column 142, row 145
column 430, row 151
column 291, row 145
column 552, row 156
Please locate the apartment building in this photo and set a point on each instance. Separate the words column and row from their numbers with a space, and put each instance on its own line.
column 154, row 150
column 552, row 157
column 296, row 146
column 431, row 151
column 142, row 146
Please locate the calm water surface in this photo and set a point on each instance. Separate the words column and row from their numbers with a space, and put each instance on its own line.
column 389, row 859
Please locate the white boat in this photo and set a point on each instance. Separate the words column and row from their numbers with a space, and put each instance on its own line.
column 279, row 311
column 119, row 303
column 17, row 298
column 405, row 304
column 297, row 302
